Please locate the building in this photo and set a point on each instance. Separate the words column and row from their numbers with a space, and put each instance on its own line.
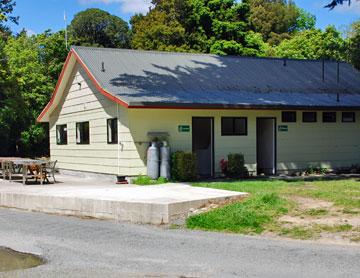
column 282, row 114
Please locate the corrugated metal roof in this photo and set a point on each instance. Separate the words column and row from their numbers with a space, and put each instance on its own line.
column 147, row 78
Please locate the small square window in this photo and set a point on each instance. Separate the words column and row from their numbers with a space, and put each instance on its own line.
column 82, row 133
column 61, row 134
column 309, row 117
column 348, row 117
column 112, row 131
column 329, row 117
column 231, row 126
column 288, row 117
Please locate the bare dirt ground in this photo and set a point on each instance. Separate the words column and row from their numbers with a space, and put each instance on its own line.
column 322, row 221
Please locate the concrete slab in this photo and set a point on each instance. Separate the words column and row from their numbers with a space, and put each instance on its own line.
column 158, row 204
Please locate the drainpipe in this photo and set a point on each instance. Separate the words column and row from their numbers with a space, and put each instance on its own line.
column 118, row 143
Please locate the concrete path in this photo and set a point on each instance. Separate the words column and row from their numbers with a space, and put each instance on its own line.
column 93, row 248
column 105, row 200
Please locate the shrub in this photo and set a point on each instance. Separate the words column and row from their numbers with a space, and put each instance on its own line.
column 183, row 166
column 236, row 166
column 316, row 170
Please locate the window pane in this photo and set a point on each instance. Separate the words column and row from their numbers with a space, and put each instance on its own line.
column 240, row 126
column 227, row 126
column 61, row 134
column 86, row 136
column 82, row 133
column 309, row 117
column 112, row 131
column 289, row 116
column 348, row 117
column 329, row 117
column 233, row 126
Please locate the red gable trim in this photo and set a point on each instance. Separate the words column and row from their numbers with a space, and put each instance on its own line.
column 92, row 78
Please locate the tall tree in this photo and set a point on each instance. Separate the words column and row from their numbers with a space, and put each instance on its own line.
column 279, row 19
column 334, row 3
column 6, row 10
column 314, row 44
column 216, row 26
column 95, row 27
column 34, row 64
column 354, row 44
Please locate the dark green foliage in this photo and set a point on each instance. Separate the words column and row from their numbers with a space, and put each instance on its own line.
column 6, row 10
column 278, row 19
column 30, row 70
column 95, row 27
column 236, row 166
column 183, row 166
column 354, row 44
column 216, row 26
column 314, row 44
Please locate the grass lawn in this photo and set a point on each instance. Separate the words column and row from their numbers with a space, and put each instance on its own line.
column 296, row 209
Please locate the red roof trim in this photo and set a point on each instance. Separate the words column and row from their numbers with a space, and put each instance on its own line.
column 92, row 78
column 97, row 85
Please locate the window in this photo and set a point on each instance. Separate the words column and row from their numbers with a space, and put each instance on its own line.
column 348, row 117
column 288, row 117
column 82, row 133
column 329, row 117
column 309, row 117
column 233, row 126
column 112, row 131
column 61, row 135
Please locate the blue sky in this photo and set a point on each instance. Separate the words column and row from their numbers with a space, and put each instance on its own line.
column 39, row 15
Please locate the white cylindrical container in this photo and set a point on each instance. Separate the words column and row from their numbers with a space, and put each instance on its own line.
column 165, row 161
column 153, row 161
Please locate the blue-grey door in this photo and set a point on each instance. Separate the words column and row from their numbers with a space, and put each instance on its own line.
column 203, row 144
column 266, row 146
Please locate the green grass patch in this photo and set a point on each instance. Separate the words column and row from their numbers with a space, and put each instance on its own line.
column 336, row 228
column 316, row 212
column 250, row 216
column 355, row 239
column 145, row 180
column 350, row 211
column 299, row 232
column 269, row 199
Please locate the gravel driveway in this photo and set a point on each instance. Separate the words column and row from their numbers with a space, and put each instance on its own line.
column 90, row 248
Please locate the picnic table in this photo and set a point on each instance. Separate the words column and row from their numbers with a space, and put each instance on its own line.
column 4, row 164
column 24, row 163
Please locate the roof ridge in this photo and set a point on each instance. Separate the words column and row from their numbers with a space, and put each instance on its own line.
column 158, row 52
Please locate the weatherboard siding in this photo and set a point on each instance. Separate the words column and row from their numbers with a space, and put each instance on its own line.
column 327, row 145
column 82, row 102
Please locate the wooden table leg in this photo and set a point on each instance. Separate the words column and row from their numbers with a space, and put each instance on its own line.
column 41, row 175
column 9, row 171
column 24, row 172
column 3, row 164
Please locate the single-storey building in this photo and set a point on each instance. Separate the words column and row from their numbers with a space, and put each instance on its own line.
column 282, row 114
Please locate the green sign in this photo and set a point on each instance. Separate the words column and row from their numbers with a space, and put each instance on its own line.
column 184, row 128
column 283, row 128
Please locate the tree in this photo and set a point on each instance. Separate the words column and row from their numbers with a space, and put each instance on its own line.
column 215, row 26
column 279, row 19
column 95, row 27
column 314, row 44
column 6, row 9
column 354, row 44
column 33, row 64
column 334, row 3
